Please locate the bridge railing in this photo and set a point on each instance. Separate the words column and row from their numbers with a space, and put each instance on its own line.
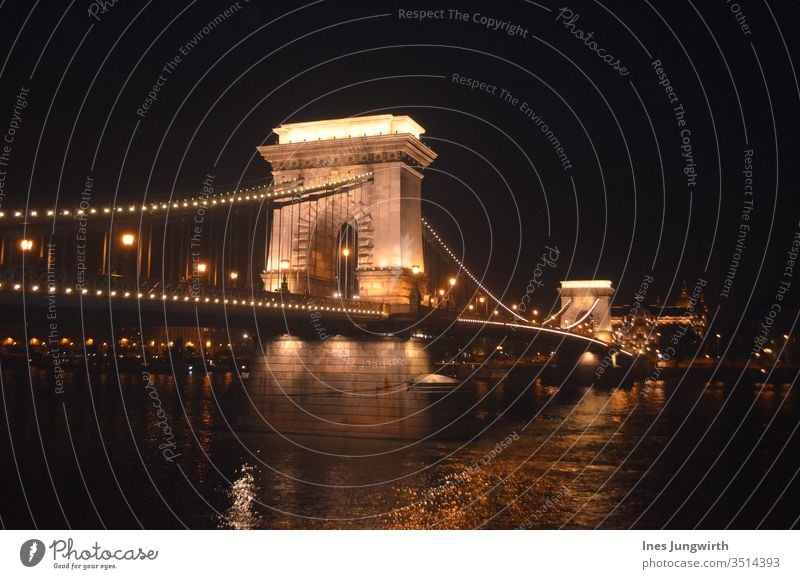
column 41, row 281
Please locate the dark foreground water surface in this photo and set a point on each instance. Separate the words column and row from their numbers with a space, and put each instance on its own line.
column 673, row 453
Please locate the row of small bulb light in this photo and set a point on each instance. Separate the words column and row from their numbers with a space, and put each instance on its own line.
column 537, row 328
column 164, row 297
column 191, row 202
column 469, row 273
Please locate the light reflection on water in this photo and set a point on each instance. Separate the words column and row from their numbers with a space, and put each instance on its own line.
column 243, row 495
column 582, row 457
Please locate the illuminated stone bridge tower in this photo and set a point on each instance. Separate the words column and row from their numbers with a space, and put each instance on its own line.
column 360, row 234
column 587, row 303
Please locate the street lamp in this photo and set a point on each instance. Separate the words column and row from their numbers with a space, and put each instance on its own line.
column 415, row 293
column 128, row 260
column 284, row 281
column 346, row 254
column 26, row 244
column 234, row 275
column 201, row 267
column 451, row 297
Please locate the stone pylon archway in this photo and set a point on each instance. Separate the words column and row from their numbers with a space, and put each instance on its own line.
column 366, row 171
column 587, row 302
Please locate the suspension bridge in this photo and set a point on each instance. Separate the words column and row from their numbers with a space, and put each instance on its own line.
column 331, row 254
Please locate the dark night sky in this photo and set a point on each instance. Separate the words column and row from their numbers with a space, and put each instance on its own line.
column 497, row 175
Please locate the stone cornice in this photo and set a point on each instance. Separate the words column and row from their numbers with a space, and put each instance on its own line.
column 371, row 150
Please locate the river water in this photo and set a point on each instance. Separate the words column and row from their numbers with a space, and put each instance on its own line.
column 111, row 452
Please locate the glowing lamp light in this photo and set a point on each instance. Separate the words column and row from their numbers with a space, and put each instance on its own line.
column 415, row 269
column 128, row 239
column 284, row 264
column 481, row 299
column 375, row 125
column 234, row 275
column 441, row 292
column 452, row 281
column 202, row 267
column 584, row 284
column 346, row 251
column 26, row 244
